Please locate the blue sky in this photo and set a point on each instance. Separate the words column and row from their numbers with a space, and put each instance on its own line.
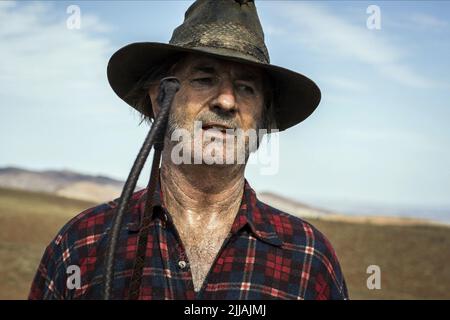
column 381, row 134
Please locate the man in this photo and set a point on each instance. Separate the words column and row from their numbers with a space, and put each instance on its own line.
column 208, row 236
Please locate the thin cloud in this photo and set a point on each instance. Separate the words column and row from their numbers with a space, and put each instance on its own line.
column 428, row 21
column 321, row 30
column 344, row 83
column 47, row 64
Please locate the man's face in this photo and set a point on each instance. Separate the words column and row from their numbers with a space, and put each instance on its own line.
column 220, row 94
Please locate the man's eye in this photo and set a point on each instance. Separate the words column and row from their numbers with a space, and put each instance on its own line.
column 245, row 88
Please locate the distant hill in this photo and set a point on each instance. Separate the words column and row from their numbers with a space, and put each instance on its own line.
column 291, row 206
column 302, row 210
column 98, row 189
column 75, row 185
column 64, row 183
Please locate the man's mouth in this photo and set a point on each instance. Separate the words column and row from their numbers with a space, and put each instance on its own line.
column 216, row 126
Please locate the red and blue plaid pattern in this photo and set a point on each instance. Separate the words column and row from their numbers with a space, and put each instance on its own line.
column 268, row 254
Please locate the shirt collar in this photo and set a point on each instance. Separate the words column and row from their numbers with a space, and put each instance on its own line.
column 255, row 214
column 252, row 213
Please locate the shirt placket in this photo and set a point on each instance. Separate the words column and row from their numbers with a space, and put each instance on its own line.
column 176, row 265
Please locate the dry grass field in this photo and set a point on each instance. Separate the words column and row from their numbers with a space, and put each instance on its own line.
column 414, row 259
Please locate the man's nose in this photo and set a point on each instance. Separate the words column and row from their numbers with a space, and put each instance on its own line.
column 225, row 100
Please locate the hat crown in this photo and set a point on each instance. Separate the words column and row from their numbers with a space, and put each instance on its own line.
column 228, row 26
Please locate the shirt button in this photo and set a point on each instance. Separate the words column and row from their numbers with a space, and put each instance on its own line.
column 182, row 264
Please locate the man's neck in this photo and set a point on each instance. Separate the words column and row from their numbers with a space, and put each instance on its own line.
column 201, row 195
column 203, row 202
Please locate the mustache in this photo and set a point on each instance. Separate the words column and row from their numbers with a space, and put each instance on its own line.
column 218, row 119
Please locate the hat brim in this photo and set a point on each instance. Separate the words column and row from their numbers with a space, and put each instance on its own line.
column 296, row 95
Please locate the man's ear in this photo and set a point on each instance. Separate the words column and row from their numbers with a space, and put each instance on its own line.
column 153, row 94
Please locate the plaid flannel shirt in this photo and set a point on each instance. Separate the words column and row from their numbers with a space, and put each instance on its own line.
column 268, row 254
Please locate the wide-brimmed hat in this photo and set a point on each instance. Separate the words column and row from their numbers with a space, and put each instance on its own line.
column 226, row 29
